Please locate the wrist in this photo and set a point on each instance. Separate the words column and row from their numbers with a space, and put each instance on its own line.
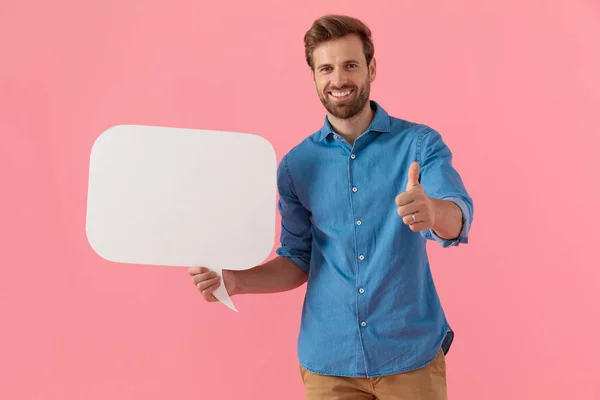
column 231, row 278
column 447, row 219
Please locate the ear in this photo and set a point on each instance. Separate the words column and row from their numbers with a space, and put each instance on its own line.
column 373, row 69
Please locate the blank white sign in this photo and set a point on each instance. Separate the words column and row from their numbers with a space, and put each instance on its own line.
column 182, row 197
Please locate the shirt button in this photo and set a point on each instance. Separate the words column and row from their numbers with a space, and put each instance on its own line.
column 363, row 324
column 354, row 189
column 335, row 136
column 359, row 222
column 361, row 257
column 361, row 290
column 353, row 156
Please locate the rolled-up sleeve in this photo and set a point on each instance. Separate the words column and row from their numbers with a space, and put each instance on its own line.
column 442, row 181
column 296, row 232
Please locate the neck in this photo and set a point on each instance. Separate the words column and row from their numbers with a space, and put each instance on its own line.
column 352, row 128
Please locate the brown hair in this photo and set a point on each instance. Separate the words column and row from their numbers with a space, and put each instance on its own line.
column 330, row 27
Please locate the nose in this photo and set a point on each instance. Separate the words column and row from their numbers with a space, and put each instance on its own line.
column 339, row 78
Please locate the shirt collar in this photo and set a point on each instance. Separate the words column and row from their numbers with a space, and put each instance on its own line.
column 380, row 122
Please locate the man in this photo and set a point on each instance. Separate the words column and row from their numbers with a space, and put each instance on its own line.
column 358, row 201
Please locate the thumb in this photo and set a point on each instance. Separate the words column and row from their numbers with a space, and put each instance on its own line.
column 413, row 176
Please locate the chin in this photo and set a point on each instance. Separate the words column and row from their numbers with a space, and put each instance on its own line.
column 344, row 111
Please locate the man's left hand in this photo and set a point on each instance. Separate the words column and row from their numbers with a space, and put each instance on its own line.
column 414, row 206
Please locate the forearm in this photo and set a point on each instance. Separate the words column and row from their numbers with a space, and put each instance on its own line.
column 277, row 275
column 448, row 219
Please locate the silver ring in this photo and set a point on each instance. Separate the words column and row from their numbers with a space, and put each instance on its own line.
column 414, row 219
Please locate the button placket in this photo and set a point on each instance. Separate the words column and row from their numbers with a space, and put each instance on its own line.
column 359, row 223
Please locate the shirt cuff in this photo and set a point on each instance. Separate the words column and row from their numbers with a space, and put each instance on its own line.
column 463, row 237
column 302, row 262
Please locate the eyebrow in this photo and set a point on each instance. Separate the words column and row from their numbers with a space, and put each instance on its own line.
column 345, row 62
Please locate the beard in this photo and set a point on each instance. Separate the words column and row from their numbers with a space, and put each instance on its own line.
column 346, row 109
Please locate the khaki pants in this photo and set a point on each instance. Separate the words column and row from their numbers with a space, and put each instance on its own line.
column 427, row 383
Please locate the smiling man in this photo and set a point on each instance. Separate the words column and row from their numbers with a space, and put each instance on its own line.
column 359, row 199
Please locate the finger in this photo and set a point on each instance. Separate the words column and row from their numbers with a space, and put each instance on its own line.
column 405, row 198
column 413, row 176
column 209, row 297
column 197, row 270
column 410, row 208
column 208, row 283
column 208, row 292
column 418, row 227
column 419, row 218
column 204, row 277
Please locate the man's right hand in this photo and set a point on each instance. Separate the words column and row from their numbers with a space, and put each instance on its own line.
column 276, row 275
column 206, row 281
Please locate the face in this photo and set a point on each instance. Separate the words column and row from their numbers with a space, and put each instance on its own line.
column 342, row 77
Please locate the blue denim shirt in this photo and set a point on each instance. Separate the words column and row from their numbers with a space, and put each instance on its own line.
column 371, row 307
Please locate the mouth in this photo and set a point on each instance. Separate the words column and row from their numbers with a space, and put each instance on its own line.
column 340, row 95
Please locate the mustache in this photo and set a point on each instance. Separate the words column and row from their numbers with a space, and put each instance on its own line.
column 345, row 87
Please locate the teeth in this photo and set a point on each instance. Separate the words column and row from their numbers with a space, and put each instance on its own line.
column 340, row 94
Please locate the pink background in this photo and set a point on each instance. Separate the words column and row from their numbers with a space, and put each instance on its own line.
column 512, row 86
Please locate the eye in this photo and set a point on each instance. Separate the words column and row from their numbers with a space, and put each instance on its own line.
column 352, row 65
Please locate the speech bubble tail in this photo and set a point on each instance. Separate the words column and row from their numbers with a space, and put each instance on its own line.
column 221, row 294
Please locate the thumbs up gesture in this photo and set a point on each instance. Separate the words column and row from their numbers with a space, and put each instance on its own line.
column 414, row 206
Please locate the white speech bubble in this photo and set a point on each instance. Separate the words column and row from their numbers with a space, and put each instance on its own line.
column 182, row 197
